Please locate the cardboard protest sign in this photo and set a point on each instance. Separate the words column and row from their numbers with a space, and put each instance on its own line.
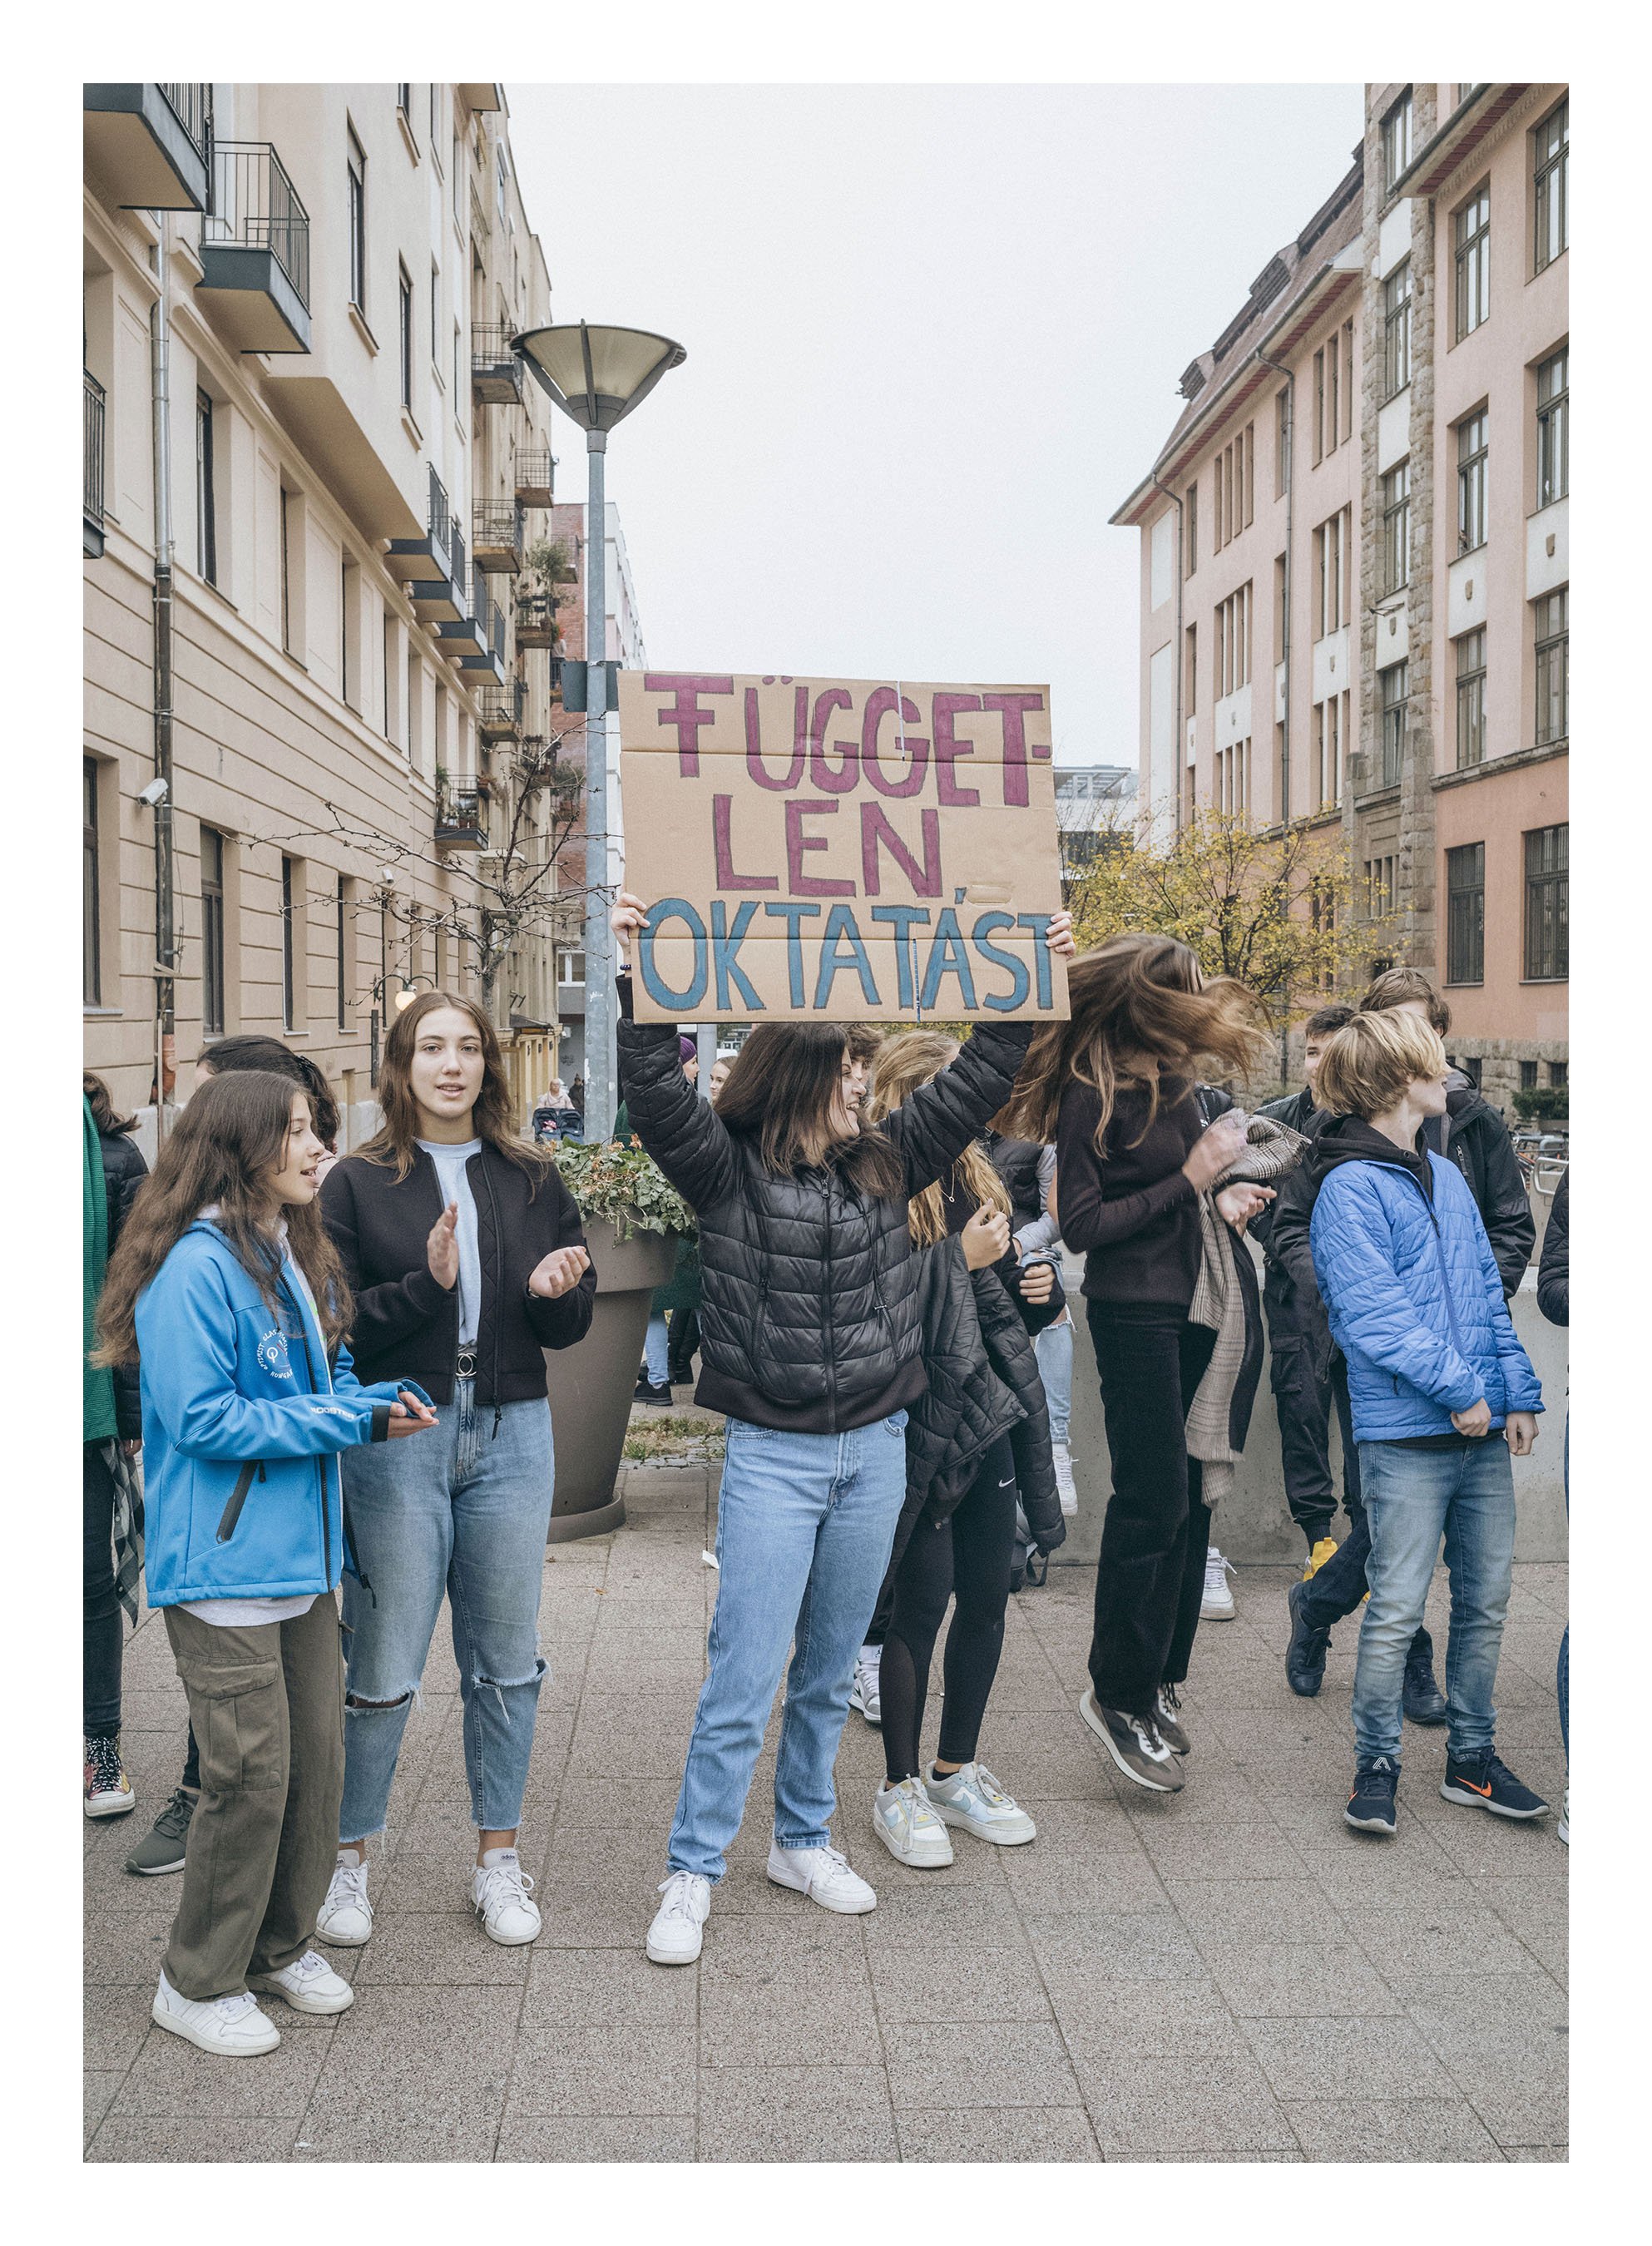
column 840, row 849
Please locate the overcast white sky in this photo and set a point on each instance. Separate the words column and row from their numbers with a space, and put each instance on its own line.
column 934, row 336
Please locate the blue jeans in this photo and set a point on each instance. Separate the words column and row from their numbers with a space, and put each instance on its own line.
column 1412, row 1498
column 654, row 1349
column 461, row 1509
column 1563, row 1665
column 805, row 1528
column 1054, row 1348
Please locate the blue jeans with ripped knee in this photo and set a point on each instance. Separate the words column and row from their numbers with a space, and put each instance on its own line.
column 464, row 1510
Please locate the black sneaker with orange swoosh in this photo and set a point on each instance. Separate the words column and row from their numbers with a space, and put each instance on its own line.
column 1482, row 1782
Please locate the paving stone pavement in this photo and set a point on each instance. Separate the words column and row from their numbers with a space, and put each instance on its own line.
column 1229, row 1976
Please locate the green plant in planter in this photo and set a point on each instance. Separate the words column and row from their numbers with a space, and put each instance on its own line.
column 1544, row 1103
column 623, row 1185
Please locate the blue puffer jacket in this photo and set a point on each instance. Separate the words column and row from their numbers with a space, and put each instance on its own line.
column 241, row 1420
column 1412, row 1290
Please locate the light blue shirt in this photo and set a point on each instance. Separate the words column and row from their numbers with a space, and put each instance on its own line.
column 456, row 1187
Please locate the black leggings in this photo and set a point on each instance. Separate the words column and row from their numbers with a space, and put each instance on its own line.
column 101, row 1601
column 968, row 1554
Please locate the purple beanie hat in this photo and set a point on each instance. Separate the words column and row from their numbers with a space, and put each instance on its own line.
column 687, row 1050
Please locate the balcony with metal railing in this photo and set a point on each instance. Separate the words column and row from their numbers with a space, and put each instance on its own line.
column 461, row 818
column 254, row 251
column 500, row 711
column 496, row 372
column 497, row 536
column 150, row 147
column 92, row 502
column 536, row 471
column 535, row 617
column 434, row 567
column 476, row 641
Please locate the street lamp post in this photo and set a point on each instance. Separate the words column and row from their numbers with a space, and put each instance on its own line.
column 597, row 376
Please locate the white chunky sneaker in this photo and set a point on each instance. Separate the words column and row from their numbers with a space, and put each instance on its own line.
column 346, row 1918
column 904, row 1821
column 865, row 1694
column 230, row 2027
column 308, row 1985
column 502, row 1892
column 1064, row 1483
column 973, row 1798
column 823, row 1875
column 1217, row 1604
column 675, row 1937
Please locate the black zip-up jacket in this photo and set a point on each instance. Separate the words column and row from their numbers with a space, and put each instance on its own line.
column 1016, row 1163
column 809, row 1316
column 1552, row 1291
column 124, row 1171
column 1294, row 1311
column 406, row 1324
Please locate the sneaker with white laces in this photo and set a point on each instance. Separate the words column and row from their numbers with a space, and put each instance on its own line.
column 346, row 1918
column 230, row 2027
column 1217, row 1604
column 108, row 1790
column 866, row 1692
column 904, row 1820
column 674, row 1939
column 973, row 1798
column 502, row 1891
column 308, row 1985
column 823, row 1875
column 1066, row 1486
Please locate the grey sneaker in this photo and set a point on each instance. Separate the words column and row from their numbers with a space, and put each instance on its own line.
column 1134, row 1743
column 1167, row 1720
column 162, row 1846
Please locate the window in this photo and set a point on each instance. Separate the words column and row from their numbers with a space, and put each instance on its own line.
column 1282, row 581
column 1546, row 905
column 1380, row 887
column 1328, row 750
column 212, row 932
column 285, row 571
column 1557, row 1072
column 570, row 969
column 435, row 316
column 1470, row 482
column 357, row 204
column 404, row 336
column 288, row 977
column 1233, row 644
column 1330, row 561
column 1191, row 688
column 498, row 166
column 1465, row 914
column 205, row 499
column 1394, row 684
column 342, row 907
column 1348, row 382
column 1396, row 500
column 1550, row 145
column 1396, row 331
column 1396, row 132
column 458, row 367
column 1281, row 444
column 1553, row 475
column 90, row 902
column 1551, row 667
column 1235, row 488
column 1528, row 1076
column 1319, row 407
column 1190, row 529
column 1471, row 699
column 1233, row 779
column 1472, row 227
column 1333, row 394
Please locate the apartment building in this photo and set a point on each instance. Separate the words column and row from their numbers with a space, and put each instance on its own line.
column 1088, row 799
column 312, row 468
column 1354, row 556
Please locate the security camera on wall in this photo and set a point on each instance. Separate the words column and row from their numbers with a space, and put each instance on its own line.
column 155, row 794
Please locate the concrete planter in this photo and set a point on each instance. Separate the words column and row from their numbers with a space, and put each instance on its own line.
column 591, row 1385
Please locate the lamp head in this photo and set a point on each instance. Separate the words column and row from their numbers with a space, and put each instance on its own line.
column 597, row 375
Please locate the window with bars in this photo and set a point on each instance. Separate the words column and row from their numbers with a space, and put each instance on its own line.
column 355, row 204
column 1396, row 135
column 1550, row 614
column 1554, row 467
column 212, row 932
column 206, row 492
column 1394, row 687
column 1471, row 699
column 1472, row 231
column 1546, row 905
column 1465, row 914
column 1396, row 331
column 1395, row 491
column 91, row 899
column 1550, row 147
column 1471, row 481
column 1380, row 887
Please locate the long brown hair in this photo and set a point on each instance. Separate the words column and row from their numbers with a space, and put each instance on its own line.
column 392, row 1146
column 903, row 1062
column 1137, row 993
column 271, row 1057
column 781, row 1092
column 101, row 1101
column 226, row 1140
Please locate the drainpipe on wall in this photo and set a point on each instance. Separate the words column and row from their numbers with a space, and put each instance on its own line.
column 1262, row 359
column 166, row 948
column 1178, row 652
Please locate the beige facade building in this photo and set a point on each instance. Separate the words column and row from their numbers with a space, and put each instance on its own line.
column 1354, row 556
column 300, row 391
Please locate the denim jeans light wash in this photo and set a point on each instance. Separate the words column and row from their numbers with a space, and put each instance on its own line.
column 1411, row 1499
column 1563, row 1659
column 461, row 1509
column 1054, row 1349
column 804, row 1532
column 655, row 1349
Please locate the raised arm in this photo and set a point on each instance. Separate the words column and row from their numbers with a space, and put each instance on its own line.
column 933, row 1126
column 679, row 1129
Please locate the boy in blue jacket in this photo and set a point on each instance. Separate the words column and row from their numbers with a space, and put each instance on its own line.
column 1442, row 1397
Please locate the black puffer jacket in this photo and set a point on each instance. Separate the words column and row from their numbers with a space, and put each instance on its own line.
column 809, row 1316
column 1294, row 1311
column 1016, row 1163
column 1553, row 1291
column 124, row 1171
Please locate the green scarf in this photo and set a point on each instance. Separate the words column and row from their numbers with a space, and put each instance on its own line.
column 99, row 1388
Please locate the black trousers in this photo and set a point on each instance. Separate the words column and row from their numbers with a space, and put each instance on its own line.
column 1304, row 1402
column 100, row 1605
column 968, row 1557
column 1157, row 1531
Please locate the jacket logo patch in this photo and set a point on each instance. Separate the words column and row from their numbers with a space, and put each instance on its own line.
column 272, row 1355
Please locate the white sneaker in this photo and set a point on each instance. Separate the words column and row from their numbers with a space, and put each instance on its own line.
column 308, row 1985
column 972, row 1798
column 904, row 1821
column 231, row 2027
column 866, row 1692
column 1564, row 1828
column 823, row 1875
column 346, row 1918
column 1064, row 1482
column 1217, row 1604
column 674, row 1935
column 501, row 1890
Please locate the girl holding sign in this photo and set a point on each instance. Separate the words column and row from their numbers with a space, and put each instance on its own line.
column 810, row 1341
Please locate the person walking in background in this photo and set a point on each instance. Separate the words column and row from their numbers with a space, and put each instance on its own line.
column 111, row 1435
column 226, row 1292
column 811, row 1344
column 1114, row 1087
column 468, row 1261
column 1552, row 1299
column 1444, row 1398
